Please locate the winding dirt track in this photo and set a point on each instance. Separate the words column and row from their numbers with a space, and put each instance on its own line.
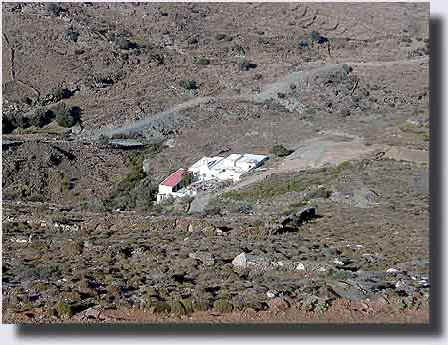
column 300, row 78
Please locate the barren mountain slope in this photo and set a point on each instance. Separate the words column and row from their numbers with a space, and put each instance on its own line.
column 343, row 87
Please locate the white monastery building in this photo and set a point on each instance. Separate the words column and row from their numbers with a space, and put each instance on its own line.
column 208, row 168
column 229, row 168
column 175, row 185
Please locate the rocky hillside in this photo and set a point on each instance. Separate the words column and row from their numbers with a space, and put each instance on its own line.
column 335, row 94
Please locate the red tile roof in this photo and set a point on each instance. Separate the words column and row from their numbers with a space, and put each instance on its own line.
column 175, row 178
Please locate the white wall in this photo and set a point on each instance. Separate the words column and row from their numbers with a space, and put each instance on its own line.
column 165, row 189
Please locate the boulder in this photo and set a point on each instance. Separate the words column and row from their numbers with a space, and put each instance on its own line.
column 244, row 260
column 206, row 258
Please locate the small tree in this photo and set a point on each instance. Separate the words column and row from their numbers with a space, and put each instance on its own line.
column 315, row 36
column 188, row 84
column 124, row 43
column 220, row 36
column 66, row 116
column 201, row 61
column 281, row 151
column 246, row 65
column 54, row 9
column 7, row 125
column 41, row 117
column 20, row 121
column 71, row 35
column 59, row 93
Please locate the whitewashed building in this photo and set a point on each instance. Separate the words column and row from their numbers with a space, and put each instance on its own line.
column 232, row 167
column 175, row 186
column 202, row 168
column 228, row 168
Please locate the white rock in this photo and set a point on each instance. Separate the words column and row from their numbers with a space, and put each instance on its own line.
column 170, row 143
column 77, row 128
column 338, row 262
column 300, row 267
column 392, row 270
column 240, row 261
column 399, row 284
column 271, row 294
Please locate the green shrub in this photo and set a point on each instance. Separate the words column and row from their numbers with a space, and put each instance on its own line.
column 246, row 65
column 188, row 84
column 124, row 43
column 41, row 117
column 71, row 35
column 223, row 306
column 201, row 61
column 103, row 140
column 15, row 120
column 177, row 308
column 65, row 310
column 220, row 36
column 281, row 151
column 347, row 68
column 188, row 305
column 48, row 272
column 54, row 9
column 304, row 44
column 274, row 186
column 66, row 116
column 345, row 165
column 135, row 190
column 73, row 248
column 160, row 307
column 315, row 36
column 201, row 305
column 7, row 124
column 26, row 100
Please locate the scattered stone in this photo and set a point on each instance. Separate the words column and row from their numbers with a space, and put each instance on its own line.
column 90, row 313
column 76, row 129
column 205, row 258
column 271, row 293
column 338, row 262
column 171, row 143
column 300, row 267
column 346, row 290
column 244, row 260
column 279, row 303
